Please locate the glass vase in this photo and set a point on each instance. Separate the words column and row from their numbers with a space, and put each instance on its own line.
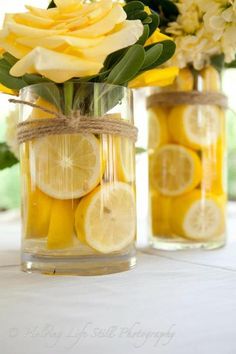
column 78, row 189
column 187, row 167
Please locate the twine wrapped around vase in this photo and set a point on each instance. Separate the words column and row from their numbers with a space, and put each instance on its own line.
column 191, row 98
column 75, row 124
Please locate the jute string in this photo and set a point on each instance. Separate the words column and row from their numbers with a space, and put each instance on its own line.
column 76, row 123
column 191, row 98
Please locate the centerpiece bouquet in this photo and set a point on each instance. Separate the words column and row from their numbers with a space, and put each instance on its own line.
column 71, row 65
column 187, row 143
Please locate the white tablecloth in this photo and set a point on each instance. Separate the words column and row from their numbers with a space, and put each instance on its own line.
column 171, row 303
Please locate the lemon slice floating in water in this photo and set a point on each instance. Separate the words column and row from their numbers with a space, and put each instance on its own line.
column 106, row 218
column 175, row 170
column 67, row 166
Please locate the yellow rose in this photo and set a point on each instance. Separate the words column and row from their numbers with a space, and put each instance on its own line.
column 71, row 40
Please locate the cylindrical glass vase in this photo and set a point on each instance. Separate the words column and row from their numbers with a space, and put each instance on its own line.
column 187, row 167
column 78, row 189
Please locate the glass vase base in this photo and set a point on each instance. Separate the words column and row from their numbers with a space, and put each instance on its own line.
column 170, row 244
column 77, row 266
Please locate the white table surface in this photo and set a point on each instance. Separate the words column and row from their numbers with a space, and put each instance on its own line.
column 171, row 303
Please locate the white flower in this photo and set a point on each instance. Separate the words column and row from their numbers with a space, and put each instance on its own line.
column 220, row 22
column 193, row 44
column 11, row 132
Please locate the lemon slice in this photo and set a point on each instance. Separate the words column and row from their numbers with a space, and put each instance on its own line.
column 66, row 166
column 61, row 227
column 39, row 114
column 210, row 79
column 185, row 80
column 37, row 211
column 195, row 126
column 105, row 219
column 125, row 159
column 157, row 129
column 196, row 217
column 175, row 170
column 214, row 168
column 160, row 211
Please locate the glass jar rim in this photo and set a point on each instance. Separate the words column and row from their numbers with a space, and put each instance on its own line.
column 83, row 83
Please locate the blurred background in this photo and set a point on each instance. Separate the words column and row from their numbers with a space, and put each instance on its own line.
column 9, row 178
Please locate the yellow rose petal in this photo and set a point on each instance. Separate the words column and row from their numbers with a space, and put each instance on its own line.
column 115, row 16
column 29, row 19
column 67, row 4
column 57, row 41
column 15, row 49
column 155, row 77
column 55, row 66
column 50, row 13
column 129, row 32
column 22, row 30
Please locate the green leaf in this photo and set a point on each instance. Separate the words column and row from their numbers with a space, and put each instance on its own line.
column 138, row 15
column 231, row 65
column 140, row 150
column 10, row 58
column 51, row 5
column 14, row 83
column 50, row 93
column 113, row 59
column 68, row 97
column 132, row 7
column 152, row 55
column 167, row 52
column 4, row 64
column 169, row 9
column 32, row 79
column 155, row 22
column 147, row 21
column 7, row 159
column 142, row 40
column 128, row 67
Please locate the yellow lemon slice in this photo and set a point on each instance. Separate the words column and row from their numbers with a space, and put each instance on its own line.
column 105, row 219
column 37, row 211
column 125, row 159
column 185, row 80
column 214, row 168
column 196, row 127
column 67, row 166
column 61, row 228
column 39, row 114
column 160, row 212
column 197, row 217
column 210, row 79
column 175, row 170
column 157, row 128
column 36, row 205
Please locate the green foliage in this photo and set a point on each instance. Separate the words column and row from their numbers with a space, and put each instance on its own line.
column 168, row 49
column 7, row 159
column 50, row 93
column 166, row 9
column 152, row 54
column 51, row 5
column 128, row 67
